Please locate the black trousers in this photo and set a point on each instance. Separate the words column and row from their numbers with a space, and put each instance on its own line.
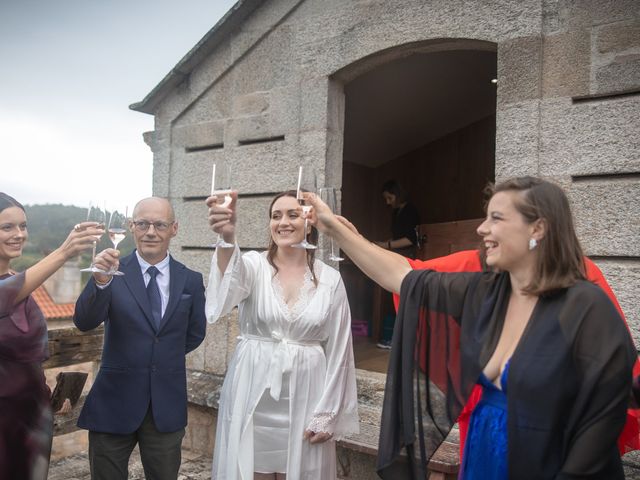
column 160, row 452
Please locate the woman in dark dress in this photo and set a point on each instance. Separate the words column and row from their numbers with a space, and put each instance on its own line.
column 25, row 411
column 404, row 241
column 404, row 220
column 549, row 348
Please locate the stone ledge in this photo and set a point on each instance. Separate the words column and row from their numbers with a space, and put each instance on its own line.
column 203, row 390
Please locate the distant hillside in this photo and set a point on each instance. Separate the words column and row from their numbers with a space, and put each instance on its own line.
column 49, row 225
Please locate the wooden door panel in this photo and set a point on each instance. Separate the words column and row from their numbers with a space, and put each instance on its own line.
column 440, row 239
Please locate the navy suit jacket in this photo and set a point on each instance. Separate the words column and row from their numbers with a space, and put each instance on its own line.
column 142, row 365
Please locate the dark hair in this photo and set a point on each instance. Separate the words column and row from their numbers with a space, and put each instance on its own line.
column 394, row 188
column 560, row 261
column 7, row 201
column 311, row 237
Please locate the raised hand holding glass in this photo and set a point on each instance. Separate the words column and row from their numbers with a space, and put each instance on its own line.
column 328, row 196
column 95, row 214
column 117, row 230
column 306, row 183
column 221, row 188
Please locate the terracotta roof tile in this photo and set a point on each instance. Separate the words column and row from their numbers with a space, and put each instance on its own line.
column 49, row 308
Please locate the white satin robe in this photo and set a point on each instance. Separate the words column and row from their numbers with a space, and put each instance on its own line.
column 315, row 348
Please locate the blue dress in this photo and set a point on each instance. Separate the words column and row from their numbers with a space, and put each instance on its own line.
column 485, row 453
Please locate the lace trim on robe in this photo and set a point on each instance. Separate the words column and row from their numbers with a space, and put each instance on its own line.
column 322, row 422
column 304, row 296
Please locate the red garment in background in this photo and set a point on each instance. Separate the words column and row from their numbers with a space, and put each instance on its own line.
column 469, row 261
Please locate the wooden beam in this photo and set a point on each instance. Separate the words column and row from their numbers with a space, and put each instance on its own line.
column 70, row 346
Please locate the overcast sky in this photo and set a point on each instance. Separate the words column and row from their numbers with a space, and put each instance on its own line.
column 69, row 69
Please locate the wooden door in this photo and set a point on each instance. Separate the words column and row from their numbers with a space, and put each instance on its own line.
column 440, row 239
column 436, row 240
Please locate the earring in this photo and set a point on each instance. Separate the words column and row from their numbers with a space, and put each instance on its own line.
column 533, row 243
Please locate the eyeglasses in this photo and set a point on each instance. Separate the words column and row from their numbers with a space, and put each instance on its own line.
column 143, row 225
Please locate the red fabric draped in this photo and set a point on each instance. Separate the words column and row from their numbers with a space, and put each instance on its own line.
column 469, row 261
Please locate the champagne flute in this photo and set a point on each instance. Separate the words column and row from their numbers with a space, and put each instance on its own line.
column 306, row 183
column 95, row 214
column 221, row 188
column 117, row 231
column 328, row 196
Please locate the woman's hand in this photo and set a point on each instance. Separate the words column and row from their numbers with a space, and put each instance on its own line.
column 222, row 218
column 316, row 437
column 320, row 216
column 80, row 238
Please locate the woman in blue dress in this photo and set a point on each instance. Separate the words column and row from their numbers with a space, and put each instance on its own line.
column 549, row 348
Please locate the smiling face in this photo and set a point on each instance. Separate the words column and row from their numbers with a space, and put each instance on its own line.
column 286, row 224
column 506, row 234
column 13, row 233
column 153, row 245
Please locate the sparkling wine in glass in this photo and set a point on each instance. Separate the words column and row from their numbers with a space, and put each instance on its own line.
column 328, row 196
column 221, row 188
column 95, row 214
column 117, row 231
column 306, row 183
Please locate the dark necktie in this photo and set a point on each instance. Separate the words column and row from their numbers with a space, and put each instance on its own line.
column 153, row 292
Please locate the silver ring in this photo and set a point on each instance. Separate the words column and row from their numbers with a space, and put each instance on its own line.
column 77, row 227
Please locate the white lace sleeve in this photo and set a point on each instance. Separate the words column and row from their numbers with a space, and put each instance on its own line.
column 322, row 422
column 226, row 290
column 337, row 410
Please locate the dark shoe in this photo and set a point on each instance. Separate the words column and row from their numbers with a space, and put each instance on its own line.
column 386, row 344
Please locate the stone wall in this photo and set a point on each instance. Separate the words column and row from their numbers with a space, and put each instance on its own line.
column 270, row 96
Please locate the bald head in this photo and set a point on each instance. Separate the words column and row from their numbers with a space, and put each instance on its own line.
column 157, row 204
column 153, row 243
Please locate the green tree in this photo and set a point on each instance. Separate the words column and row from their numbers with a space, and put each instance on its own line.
column 49, row 225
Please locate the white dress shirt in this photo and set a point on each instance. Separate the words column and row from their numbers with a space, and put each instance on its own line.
column 162, row 278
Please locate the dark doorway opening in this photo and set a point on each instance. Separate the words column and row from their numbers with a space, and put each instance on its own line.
column 427, row 120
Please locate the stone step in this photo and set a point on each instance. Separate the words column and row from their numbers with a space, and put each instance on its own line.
column 76, row 467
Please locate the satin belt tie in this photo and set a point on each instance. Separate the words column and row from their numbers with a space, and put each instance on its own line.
column 281, row 360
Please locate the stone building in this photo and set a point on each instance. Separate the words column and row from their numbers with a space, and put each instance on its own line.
column 366, row 90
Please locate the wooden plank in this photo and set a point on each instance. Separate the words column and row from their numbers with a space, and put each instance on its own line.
column 440, row 239
column 446, row 459
column 70, row 346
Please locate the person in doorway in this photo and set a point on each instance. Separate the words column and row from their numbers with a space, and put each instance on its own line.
column 26, row 423
column 404, row 240
column 153, row 316
column 290, row 389
column 404, row 220
column 550, row 350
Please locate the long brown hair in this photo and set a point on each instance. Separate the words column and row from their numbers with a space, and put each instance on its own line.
column 560, row 262
column 312, row 237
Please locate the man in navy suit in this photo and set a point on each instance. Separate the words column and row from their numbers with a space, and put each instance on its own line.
column 153, row 316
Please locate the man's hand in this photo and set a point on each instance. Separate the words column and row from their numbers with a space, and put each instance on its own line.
column 106, row 260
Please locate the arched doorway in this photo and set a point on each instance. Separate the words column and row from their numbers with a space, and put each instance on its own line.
column 423, row 115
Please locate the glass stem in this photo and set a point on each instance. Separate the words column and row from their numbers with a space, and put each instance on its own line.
column 93, row 253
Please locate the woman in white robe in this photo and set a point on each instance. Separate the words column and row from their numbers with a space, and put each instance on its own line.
column 290, row 389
